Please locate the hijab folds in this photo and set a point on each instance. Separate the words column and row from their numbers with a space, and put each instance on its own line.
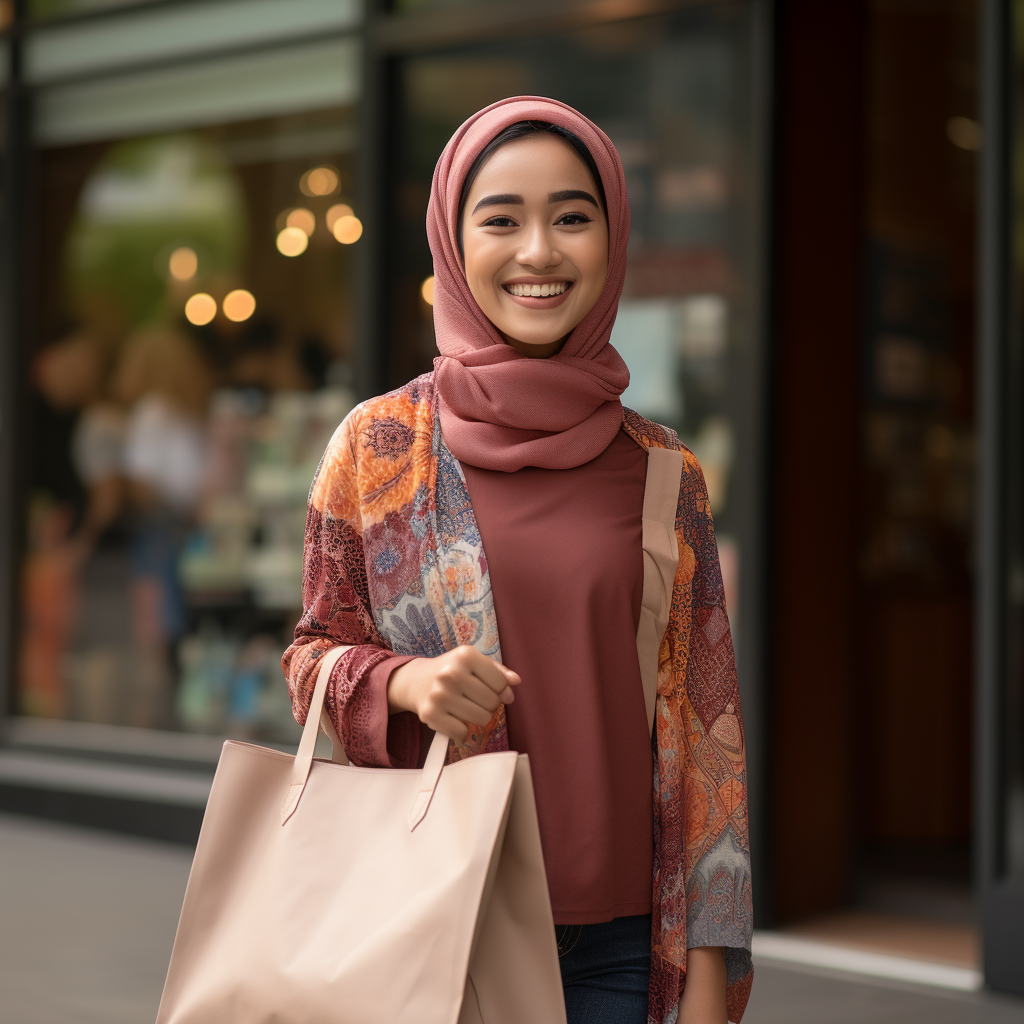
column 500, row 409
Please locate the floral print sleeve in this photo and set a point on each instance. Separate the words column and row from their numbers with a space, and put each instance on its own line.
column 336, row 610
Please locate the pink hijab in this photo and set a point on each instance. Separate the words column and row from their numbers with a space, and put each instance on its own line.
column 500, row 409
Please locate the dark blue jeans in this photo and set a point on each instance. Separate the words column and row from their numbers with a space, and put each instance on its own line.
column 605, row 970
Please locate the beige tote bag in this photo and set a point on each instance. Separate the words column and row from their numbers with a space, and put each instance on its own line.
column 323, row 893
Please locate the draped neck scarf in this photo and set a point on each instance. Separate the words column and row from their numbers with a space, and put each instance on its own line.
column 498, row 408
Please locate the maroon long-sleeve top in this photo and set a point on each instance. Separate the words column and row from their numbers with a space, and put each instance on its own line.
column 565, row 561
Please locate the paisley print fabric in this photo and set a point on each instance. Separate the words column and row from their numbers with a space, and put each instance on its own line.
column 394, row 563
column 702, row 856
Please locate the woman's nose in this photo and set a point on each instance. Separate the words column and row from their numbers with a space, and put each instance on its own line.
column 537, row 249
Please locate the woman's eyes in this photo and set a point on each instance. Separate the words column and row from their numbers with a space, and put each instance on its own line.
column 566, row 220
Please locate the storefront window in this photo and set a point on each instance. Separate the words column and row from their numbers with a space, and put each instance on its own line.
column 675, row 95
column 191, row 350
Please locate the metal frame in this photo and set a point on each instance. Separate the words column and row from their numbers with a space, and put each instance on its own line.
column 1000, row 898
column 12, row 322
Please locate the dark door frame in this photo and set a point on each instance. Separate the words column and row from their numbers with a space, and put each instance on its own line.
column 1000, row 895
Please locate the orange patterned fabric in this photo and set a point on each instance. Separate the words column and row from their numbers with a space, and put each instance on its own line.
column 394, row 563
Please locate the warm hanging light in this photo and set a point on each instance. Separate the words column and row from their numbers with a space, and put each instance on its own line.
column 319, row 181
column 964, row 133
column 427, row 290
column 239, row 305
column 302, row 219
column 335, row 213
column 183, row 264
column 200, row 309
column 292, row 241
column 348, row 229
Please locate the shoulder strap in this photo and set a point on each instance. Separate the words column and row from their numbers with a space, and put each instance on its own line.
column 661, row 558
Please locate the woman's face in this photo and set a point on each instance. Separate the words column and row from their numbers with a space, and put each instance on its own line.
column 535, row 241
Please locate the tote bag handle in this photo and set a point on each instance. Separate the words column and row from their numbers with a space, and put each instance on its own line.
column 318, row 718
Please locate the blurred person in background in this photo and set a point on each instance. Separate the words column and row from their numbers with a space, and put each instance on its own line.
column 164, row 383
column 73, row 376
column 70, row 659
column 525, row 516
column 49, row 604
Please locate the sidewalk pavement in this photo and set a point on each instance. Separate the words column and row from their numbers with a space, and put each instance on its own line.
column 87, row 920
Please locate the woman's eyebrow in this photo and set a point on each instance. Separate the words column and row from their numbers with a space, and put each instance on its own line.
column 572, row 193
column 501, row 199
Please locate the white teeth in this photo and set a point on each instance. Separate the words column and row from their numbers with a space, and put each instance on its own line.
column 537, row 291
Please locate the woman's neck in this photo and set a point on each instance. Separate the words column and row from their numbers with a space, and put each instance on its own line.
column 536, row 351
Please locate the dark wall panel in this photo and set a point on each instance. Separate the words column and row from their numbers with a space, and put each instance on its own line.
column 818, row 299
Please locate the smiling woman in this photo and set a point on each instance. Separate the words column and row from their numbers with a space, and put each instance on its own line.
column 536, row 257
column 515, row 495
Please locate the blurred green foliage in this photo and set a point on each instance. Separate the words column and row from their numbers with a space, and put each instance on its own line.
column 145, row 199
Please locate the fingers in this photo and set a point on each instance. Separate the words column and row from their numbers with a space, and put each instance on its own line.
column 495, row 675
column 469, row 713
column 469, row 700
column 449, row 726
column 460, row 688
column 480, row 693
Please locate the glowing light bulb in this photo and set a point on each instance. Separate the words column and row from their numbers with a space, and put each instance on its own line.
column 427, row 290
column 239, row 305
column 348, row 229
column 292, row 241
column 183, row 264
column 200, row 309
column 302, row 219
column 335, row 213
column 319, row 181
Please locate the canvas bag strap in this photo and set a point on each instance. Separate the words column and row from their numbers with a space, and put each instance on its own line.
column 661, row 559
column 318, row 718
column 304, row 756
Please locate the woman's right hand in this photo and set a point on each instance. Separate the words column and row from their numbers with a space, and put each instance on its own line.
column 447, row 692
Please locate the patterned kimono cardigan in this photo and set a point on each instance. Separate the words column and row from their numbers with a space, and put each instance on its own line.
column 394, row 564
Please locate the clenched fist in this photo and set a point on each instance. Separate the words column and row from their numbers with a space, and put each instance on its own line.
column 448, row 692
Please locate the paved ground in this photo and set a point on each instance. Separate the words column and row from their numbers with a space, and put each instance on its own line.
column 785, row 995
column 87, row 921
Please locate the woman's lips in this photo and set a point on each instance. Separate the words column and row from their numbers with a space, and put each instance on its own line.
column 539, row 301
